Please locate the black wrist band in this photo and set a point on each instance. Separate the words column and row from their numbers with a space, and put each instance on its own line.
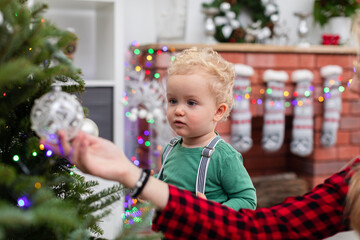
column 144, row 177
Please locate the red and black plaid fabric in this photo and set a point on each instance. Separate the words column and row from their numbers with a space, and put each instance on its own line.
column 316, row 215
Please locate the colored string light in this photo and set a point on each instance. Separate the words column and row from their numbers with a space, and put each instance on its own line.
column 135, row 43
column 140, row 140
column 16, row 158
column 253, row 99
column 23, row 202
column 49, row 153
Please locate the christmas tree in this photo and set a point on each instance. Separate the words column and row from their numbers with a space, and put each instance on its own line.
column 41, row 197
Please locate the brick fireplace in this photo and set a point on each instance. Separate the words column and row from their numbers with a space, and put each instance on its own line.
column 324, row 160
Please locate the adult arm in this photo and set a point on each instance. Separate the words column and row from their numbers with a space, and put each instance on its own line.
column 316, row 215
column 181, row 215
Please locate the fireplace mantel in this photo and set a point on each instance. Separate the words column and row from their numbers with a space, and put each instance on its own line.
column 242, row 47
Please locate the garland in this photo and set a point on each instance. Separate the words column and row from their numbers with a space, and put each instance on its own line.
column 244, row 20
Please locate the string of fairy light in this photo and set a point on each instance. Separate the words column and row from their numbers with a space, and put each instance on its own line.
column 134, row 215
column 130, row 204
column 253, row 97
column 23, row 201
column 256, row 98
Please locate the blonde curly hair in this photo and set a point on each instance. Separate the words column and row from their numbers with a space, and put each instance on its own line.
column 208, row 61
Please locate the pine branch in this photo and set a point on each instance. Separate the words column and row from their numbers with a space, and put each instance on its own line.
column 59, row 205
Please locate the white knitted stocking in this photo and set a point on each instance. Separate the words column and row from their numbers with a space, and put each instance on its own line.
column 274, row 116
column 241, row 115
column 302, row 142
column 332, row 104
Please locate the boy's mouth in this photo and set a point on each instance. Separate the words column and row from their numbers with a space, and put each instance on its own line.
column 179, row 123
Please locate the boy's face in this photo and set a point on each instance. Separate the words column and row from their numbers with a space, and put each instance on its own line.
column 191, row 106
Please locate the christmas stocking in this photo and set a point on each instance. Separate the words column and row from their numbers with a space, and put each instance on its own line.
column 241, row 115
column 303, row 124
column 274, row 116
column 332, row 104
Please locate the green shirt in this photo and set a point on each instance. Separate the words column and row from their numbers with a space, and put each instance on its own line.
column 227, row 180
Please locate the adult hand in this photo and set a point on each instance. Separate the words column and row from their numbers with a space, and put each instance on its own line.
column 102, row 158
column 96, row 156
column 201, row 195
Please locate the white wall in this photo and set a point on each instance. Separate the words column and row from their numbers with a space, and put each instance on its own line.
column 140, row 24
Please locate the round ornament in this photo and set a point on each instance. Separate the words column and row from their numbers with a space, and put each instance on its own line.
column 54, row 111
column 90, row 127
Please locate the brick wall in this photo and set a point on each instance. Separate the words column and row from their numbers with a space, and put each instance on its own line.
column 324, row 160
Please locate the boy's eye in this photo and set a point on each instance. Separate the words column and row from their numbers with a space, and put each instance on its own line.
column 172, row 101
column 192, row 103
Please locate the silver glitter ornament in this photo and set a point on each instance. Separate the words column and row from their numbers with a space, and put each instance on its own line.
column 54, row 111
column 90, row 127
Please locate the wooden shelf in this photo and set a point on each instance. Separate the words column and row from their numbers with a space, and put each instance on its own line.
column 240, row 47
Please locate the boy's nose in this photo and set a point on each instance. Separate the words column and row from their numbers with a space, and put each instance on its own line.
column 179, row 110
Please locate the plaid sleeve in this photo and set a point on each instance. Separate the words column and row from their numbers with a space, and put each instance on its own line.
column 315, row 215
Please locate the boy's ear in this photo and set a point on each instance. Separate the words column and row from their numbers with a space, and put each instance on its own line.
column 220, row 112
